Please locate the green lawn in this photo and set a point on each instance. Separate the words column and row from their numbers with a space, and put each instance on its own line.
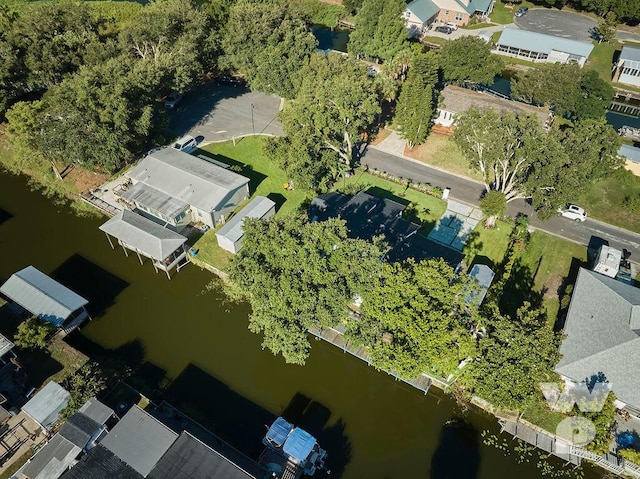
column 552, row 260
column 604, row 200
column 478, row 26
column 267, row 179
column 209, row 252
column 538, row 413
column 601, row 59
column 488, row 246
column 503, row 15
column 441, row 152
column 436, row 40
column 427, row 209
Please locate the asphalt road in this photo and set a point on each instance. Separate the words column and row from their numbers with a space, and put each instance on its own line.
column 469, row 191
column 213, row 113
column 561, row 24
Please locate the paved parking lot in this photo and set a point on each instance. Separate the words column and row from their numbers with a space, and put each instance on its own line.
column 561, row 24
column 215, row 112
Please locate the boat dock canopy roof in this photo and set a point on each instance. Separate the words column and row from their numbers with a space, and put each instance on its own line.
column 278, row 432
column 299, row 445
column 143, row 234
column 42, row 296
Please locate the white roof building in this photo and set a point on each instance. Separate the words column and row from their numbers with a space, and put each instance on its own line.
column 539, row 47
column 177, row 188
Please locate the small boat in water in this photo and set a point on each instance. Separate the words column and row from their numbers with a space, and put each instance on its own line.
column 291, row 451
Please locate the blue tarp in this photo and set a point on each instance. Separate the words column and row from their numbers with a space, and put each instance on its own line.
column 278, row 432
column 299, row 445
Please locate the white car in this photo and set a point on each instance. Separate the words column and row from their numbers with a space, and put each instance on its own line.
column 573, row 212
column 187, row 144
column 453, row 26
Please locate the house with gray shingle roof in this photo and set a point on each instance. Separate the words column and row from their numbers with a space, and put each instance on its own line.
column 603, row 335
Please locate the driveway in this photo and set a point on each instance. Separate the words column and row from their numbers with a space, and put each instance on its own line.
column 561, row 24
column 216, row 113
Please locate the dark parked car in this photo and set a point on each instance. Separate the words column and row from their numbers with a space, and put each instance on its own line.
column 444, row 29
column 231, row 80
column 521, row 12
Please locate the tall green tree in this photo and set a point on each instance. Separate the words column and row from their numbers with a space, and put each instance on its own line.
column 414, row 319
column 516, row 354
column 300, row 275
column 172, row 41
column 33, row 333
column 336, row 103
column 417, row 102
column 269, row 42
column 570, row 91
column 96, row 118
column 469, row 59
column 493, row 205
column 508, row 151
column 380, row 30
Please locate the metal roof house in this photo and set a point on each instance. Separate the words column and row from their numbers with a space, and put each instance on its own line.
column 603, row 335
column 457, row 100
column 134, row 232
column 483, row 275
column 230, row 235
column 628, row 67
column 78, row 434
column 139, row 440
column 189, row 458
column 45, row 298
column 179, row 188
column 47, row 404
column 539, row 47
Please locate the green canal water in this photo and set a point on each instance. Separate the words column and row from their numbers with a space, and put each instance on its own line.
column 198, row 348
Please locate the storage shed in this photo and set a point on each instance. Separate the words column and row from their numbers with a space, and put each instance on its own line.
column 45, row 407
column 230, row 235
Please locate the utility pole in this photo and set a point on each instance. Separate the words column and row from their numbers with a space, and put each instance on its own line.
column 253, row 127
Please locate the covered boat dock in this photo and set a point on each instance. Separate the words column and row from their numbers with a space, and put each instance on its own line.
column 134, row 232
column 46, row 299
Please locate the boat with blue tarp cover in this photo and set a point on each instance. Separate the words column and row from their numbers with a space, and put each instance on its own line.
column 291, row 451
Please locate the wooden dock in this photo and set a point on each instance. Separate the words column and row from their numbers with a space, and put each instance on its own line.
column 336, row 337
column 99, row 203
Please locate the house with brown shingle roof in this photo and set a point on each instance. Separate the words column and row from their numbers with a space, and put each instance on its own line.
column 456, row 100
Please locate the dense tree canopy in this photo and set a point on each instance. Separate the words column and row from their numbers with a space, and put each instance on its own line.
column 516, row 355
column 572, row 92
column 99, row 91
column 418, row 98
column 469, row 59
column 521, row 160
column 414, row 319
column 269, row 42
column 380, row 30
column 300, row 275
column 625, row 10
column 336, row 102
